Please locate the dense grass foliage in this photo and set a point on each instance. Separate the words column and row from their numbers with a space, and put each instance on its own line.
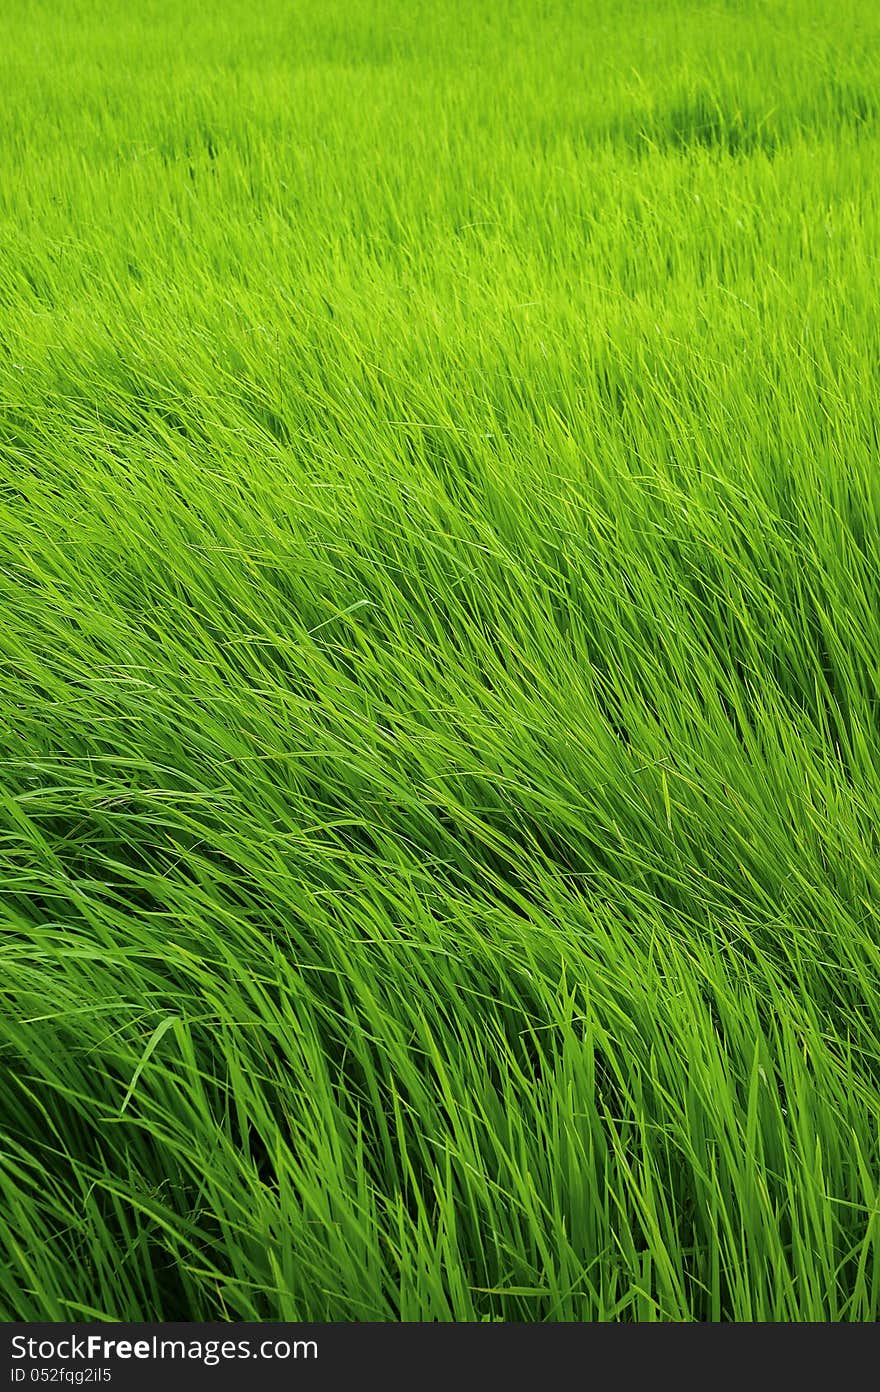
column 440, row 578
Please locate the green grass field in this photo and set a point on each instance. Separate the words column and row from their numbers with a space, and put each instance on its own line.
column 440, row 660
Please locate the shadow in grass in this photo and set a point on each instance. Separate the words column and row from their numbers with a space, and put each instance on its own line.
column 699, row 118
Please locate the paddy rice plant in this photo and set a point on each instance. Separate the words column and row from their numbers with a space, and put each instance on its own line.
column 440, row 660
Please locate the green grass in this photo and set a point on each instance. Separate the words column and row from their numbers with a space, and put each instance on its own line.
column 440, row 660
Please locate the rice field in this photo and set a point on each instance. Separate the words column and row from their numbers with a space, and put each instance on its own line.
column 440, row 660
